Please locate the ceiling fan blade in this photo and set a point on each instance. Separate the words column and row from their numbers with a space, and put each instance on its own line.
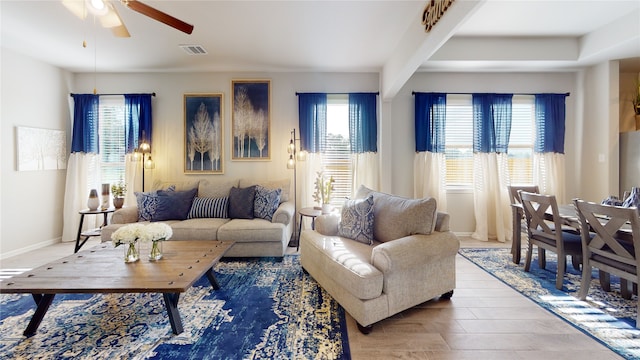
column 113, row 21
column 158, row 15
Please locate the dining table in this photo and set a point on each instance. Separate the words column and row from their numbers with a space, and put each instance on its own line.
column 569, row 218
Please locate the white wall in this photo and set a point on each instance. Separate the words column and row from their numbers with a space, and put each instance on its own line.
column 598, row 142
column 460, row 203
column 34, row 94
column 30, row 198
column 168, row 114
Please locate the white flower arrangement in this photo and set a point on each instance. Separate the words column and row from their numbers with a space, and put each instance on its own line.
column 158, row 231
column 140, row 232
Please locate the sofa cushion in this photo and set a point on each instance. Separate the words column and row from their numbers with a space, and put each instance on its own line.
column 241, row 202
column 254, row 230
column 216, row 188
column 205, row 207
column 148, row 203
column 175, row 185
column 174, row 205
column 283, row 184
column 396, row 217
column 346, row 261
column 266, row 202
column 356, row 220
column 197, row 229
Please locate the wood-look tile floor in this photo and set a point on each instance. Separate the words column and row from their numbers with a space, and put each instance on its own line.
column 485, row 319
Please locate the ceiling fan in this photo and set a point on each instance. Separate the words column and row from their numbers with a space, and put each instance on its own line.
column 109, row 17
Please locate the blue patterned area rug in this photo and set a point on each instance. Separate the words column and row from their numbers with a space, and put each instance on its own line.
column 605, row 316
column 265, row 309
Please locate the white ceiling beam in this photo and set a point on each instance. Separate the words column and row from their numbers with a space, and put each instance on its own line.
column 621, row 37
column 416, row 45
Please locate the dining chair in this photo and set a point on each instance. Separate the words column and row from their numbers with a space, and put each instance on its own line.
column 548, row 234
column 517, row 216
column 608, row 250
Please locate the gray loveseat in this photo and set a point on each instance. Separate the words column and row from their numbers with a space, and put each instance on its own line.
column 255, row 237
column 411, row 259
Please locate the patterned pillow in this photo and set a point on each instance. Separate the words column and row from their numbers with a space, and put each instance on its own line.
column 148, row 203
column 206, row 207
column 241, row 201
column 266, row 202
column 357, row 220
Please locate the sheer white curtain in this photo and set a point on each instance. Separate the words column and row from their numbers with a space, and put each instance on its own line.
column 549, row 174
column 82, row 176
column 490, row 197
column 133, row 179
column 307, row 173
column 364, row 170
column 429, row 171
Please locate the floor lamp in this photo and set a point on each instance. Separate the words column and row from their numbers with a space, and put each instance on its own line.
column 295, row 155
column 144, row 153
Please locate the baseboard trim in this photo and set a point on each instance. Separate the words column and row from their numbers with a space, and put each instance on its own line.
column 29, row 248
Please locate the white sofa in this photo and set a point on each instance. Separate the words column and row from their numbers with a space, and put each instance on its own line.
column 411, row 260
column 254, row 237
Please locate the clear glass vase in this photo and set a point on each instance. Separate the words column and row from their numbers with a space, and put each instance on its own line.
column 131, row 252
column 156, row 250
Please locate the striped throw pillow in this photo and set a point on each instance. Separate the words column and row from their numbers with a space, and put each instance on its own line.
column 205, row 207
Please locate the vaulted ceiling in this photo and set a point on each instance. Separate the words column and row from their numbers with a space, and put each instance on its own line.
column 383, row 36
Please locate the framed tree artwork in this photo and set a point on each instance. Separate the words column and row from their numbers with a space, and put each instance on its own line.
column 250, row 119
column 203, row 129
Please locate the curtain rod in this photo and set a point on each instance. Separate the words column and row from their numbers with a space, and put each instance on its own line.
column 340, row 93
column 152, row 94
column 460, row 93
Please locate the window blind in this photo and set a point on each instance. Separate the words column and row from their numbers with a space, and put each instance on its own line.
column 112, row 138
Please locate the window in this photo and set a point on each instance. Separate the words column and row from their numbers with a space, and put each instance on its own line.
column 112, row 144
column 336, row 159
column 459, row 140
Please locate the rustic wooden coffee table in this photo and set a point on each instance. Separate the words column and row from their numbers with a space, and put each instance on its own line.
column 102, row 269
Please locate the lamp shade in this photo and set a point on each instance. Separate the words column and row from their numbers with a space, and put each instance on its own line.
column 291, row 163
column 145, row 147
column 149, row 164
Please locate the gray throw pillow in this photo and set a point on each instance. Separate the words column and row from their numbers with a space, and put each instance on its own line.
column 396, row 217
column 174, row 205
column 356, row 221
column 241, row 202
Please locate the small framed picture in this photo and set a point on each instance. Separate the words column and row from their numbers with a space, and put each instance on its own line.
column 203, row 129
column 250, row 120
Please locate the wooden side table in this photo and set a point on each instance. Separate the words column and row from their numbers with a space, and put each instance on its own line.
column 93, row 232
column 308, row 212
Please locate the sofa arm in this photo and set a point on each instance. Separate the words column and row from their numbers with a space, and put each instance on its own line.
column 125, row 215
column 442, row 221
column 327, row 224
column 410, row 251
column 284, row 213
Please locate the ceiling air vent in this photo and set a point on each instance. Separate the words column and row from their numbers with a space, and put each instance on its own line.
column 194, row 49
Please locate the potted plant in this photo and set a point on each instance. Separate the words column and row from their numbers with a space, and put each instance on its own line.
column 322, row 194
column 118, row 190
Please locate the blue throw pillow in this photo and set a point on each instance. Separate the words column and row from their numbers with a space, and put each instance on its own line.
column 174, row 205
column 266, row 202
column 241, row 202
column 357, row 220
column 148, row 203
column 206, row 207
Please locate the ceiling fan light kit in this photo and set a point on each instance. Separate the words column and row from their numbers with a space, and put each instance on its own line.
column 109, row 17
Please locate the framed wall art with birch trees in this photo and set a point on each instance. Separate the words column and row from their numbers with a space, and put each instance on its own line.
column 250, row 119
column 203, row 125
